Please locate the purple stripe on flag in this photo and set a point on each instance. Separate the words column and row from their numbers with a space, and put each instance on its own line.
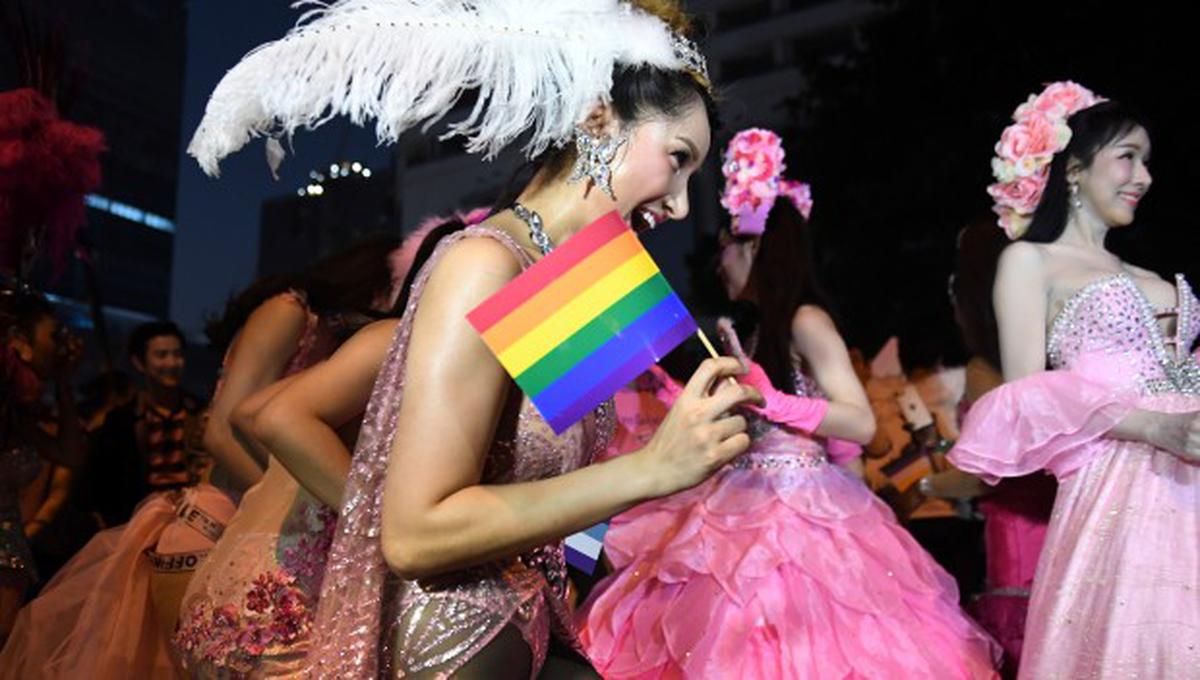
column 614, row 364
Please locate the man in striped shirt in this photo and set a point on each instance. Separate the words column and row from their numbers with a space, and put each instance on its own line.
column 149, row 445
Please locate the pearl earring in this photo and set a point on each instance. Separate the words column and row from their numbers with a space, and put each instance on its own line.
column 1075, row 200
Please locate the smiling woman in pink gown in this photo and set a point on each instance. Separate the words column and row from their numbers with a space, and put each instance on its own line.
column 784, row 564
column 1117, row 591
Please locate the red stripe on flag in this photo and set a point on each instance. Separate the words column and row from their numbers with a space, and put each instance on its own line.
column 572, row 252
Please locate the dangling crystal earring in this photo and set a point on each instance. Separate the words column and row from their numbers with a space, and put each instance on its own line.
column 593, row 159
column 1075, row 200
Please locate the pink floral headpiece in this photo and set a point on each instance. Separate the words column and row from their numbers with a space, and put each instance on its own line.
column 753, row 172
column 1023, row 154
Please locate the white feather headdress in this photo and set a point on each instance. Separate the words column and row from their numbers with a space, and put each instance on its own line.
column 538, row 65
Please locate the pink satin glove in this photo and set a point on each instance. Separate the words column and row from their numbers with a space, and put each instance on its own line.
column 789, row 410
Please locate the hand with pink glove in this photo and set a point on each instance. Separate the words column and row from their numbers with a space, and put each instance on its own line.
column 789, row 410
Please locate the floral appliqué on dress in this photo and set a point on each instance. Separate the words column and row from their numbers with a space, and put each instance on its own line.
column 277, row 609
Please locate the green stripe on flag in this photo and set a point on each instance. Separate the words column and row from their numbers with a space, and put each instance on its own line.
column 593, row 335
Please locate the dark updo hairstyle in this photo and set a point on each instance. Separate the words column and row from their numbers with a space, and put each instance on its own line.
column 637, row 93
column 21, row 308
column 783, row 278
column 1092, row 129
column 346, row 283
column 979, row 248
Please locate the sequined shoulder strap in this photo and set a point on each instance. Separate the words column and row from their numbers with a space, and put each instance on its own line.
column 347, row 627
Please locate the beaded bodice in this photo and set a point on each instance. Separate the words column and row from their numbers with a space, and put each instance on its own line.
column 776, row 447
column 1112, row 316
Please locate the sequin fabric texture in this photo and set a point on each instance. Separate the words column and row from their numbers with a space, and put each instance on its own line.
column 272, row 616
column 1111, row 315
column 19, row 465
column 1117, row 588
column 372, row 624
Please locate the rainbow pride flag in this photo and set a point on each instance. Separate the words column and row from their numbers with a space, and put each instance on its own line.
column 583, row 321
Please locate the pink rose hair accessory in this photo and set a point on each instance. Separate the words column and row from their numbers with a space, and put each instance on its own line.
column 753, row 170
column 1023, row 154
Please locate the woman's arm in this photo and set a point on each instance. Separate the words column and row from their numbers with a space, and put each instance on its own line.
column 438, row 517
column 62, row 440
column 816, row 339
column 299, row 424
column 256, row 359
column 1019, row 298
column 60, row 490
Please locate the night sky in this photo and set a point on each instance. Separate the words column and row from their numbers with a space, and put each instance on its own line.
column 895, row 138
column 216, row 245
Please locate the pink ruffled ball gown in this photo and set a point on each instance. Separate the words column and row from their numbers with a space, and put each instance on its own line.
column 782, row 565
column 1117, row 591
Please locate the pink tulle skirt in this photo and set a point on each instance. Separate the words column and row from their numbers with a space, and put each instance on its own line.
column 95, row 619
column 776, row 570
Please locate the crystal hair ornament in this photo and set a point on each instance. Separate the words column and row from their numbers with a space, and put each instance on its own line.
column 538, row 67
column 753, row 170
column 691, row 58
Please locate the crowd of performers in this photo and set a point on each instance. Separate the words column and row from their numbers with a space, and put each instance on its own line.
column 381, row 500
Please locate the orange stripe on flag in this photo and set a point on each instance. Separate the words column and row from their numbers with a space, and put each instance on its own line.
column 562, row 290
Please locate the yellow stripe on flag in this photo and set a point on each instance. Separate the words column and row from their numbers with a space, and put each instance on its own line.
column 574, row 315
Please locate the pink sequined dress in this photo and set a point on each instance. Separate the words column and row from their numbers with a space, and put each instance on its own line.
column 1117, row 590
column 372, row 624
column 782, row 565
column 248, row 609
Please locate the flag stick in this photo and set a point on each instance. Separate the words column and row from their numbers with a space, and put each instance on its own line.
column 712, row 352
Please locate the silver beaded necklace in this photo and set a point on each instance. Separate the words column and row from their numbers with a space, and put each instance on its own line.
column 536, row 233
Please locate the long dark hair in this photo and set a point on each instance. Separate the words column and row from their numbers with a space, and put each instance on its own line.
column 1092, row 129
column 345, row 283
column 783, row 278
column 979, row 248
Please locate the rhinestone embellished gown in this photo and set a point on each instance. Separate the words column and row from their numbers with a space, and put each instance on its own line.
column 248, row 609
column 782, row 565
column 370, row 623
column 1117, row 589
